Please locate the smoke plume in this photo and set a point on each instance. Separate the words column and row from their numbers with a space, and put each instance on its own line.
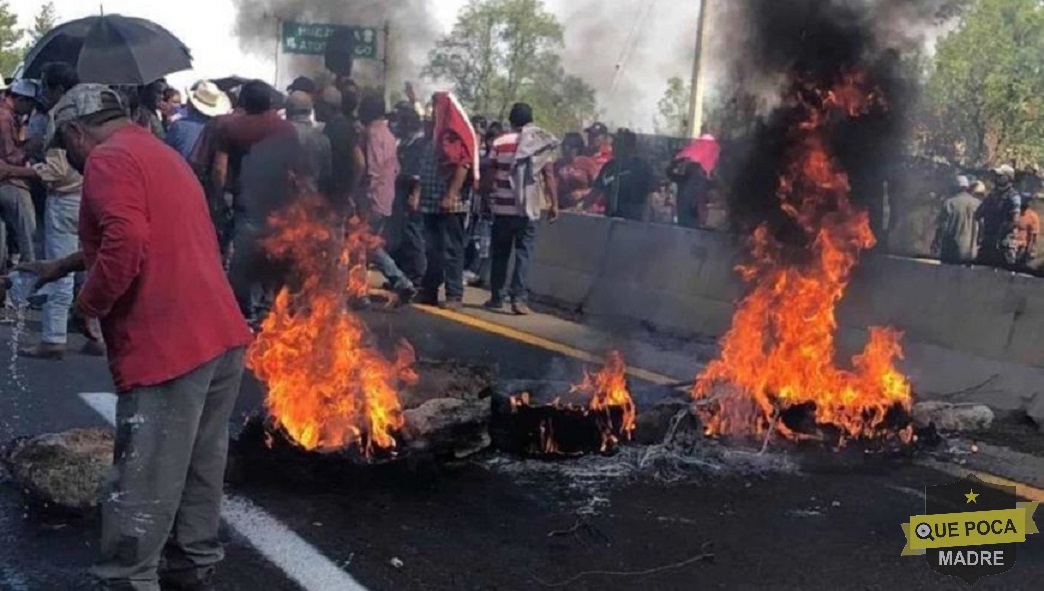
column 413, row 32
column 773, row 45
column 627, row 51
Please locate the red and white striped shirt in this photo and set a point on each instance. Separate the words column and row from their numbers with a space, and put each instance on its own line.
column 505, row 199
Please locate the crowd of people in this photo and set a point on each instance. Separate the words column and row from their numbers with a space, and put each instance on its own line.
column 995, row 227
column 161, row 202
column 162, row 205
column 366, row 158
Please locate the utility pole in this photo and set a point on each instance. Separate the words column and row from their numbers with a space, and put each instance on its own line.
column 696, row 99
column 387, row 55
column 278, row 48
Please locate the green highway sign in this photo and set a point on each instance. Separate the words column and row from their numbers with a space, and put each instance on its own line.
column 311, row 39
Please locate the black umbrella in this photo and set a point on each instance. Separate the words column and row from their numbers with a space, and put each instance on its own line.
column 111, row 49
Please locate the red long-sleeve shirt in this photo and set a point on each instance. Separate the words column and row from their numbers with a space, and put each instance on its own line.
column 154, row 275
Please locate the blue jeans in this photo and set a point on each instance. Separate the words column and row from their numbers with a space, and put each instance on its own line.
column 444, row 237
column 61, row 239
column 383, row 261
column 516, row 233
column 248, row 264
column 410, row 254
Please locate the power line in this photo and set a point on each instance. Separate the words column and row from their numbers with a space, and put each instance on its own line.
column 632, row 42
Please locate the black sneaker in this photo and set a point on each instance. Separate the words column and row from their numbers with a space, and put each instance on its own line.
column 406, row 294
column 494, row 304
column 427, row 299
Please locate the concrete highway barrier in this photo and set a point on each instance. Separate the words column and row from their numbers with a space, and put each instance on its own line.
column 970, row 333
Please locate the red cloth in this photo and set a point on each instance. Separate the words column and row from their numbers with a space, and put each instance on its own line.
column 574, row 180
column 454, row 135
column 603, row 156
column 704, row 151
column 154, row 275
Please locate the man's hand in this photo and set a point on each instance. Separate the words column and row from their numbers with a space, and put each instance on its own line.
column 413, row 201
column 87, row 326
column 449, row 202
column 81, row 312
column 45, row 271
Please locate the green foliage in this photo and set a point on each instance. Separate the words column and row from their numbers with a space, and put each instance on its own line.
column 10, row 39
column 672, row 116
column 503, row 51
column 42, row 24
column 984, row 102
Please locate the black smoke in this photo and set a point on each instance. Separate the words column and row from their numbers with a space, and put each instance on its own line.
column 779, row 45
column 412, row 25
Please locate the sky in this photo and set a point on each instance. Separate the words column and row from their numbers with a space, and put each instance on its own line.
column 629, row 75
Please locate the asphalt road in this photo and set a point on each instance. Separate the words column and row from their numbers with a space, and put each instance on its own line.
column 476, row 526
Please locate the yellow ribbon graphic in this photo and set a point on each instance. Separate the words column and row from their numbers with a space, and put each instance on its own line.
column 979, row 528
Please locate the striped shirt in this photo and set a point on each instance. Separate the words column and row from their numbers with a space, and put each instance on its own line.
column 505, row 200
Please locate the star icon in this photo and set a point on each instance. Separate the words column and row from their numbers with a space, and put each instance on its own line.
column 972, row 496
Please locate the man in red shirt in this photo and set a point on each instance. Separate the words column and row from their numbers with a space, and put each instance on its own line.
column 599, row 145
column 174, row 335
column 576, row 173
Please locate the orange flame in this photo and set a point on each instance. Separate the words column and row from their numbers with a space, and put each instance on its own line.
column 328, row 388
column 779, row 352
column 609, row 396
column 608, row 391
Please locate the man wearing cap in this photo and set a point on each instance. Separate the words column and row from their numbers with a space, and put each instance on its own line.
column 174, row 336
column 337, row 113
column 999, row 216
column 205, row 102
column 301, row 114
column 302, row 84
column 16, row 202
column 956, row 233
column 599, row 145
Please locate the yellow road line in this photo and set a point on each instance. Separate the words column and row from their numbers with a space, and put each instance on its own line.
column 541, row 342
column 1024, row 490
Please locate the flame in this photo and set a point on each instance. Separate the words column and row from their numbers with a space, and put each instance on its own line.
column 327, row 387
column 608, row 391
column 779, row 352
column 608, row 396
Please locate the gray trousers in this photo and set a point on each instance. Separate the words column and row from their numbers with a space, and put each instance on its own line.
column 163, row 498
column 19, row 215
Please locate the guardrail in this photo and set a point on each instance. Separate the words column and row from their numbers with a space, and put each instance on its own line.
column 962, row 325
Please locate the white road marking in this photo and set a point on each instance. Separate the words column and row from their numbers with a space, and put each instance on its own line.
column 298, row 559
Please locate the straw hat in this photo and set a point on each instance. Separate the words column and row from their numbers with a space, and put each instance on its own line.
column 208, row 99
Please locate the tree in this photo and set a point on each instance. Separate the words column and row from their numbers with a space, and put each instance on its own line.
column 10, row 40
column 984, row 101
column 503, row 51
column 42, row 24
column 673, row 109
